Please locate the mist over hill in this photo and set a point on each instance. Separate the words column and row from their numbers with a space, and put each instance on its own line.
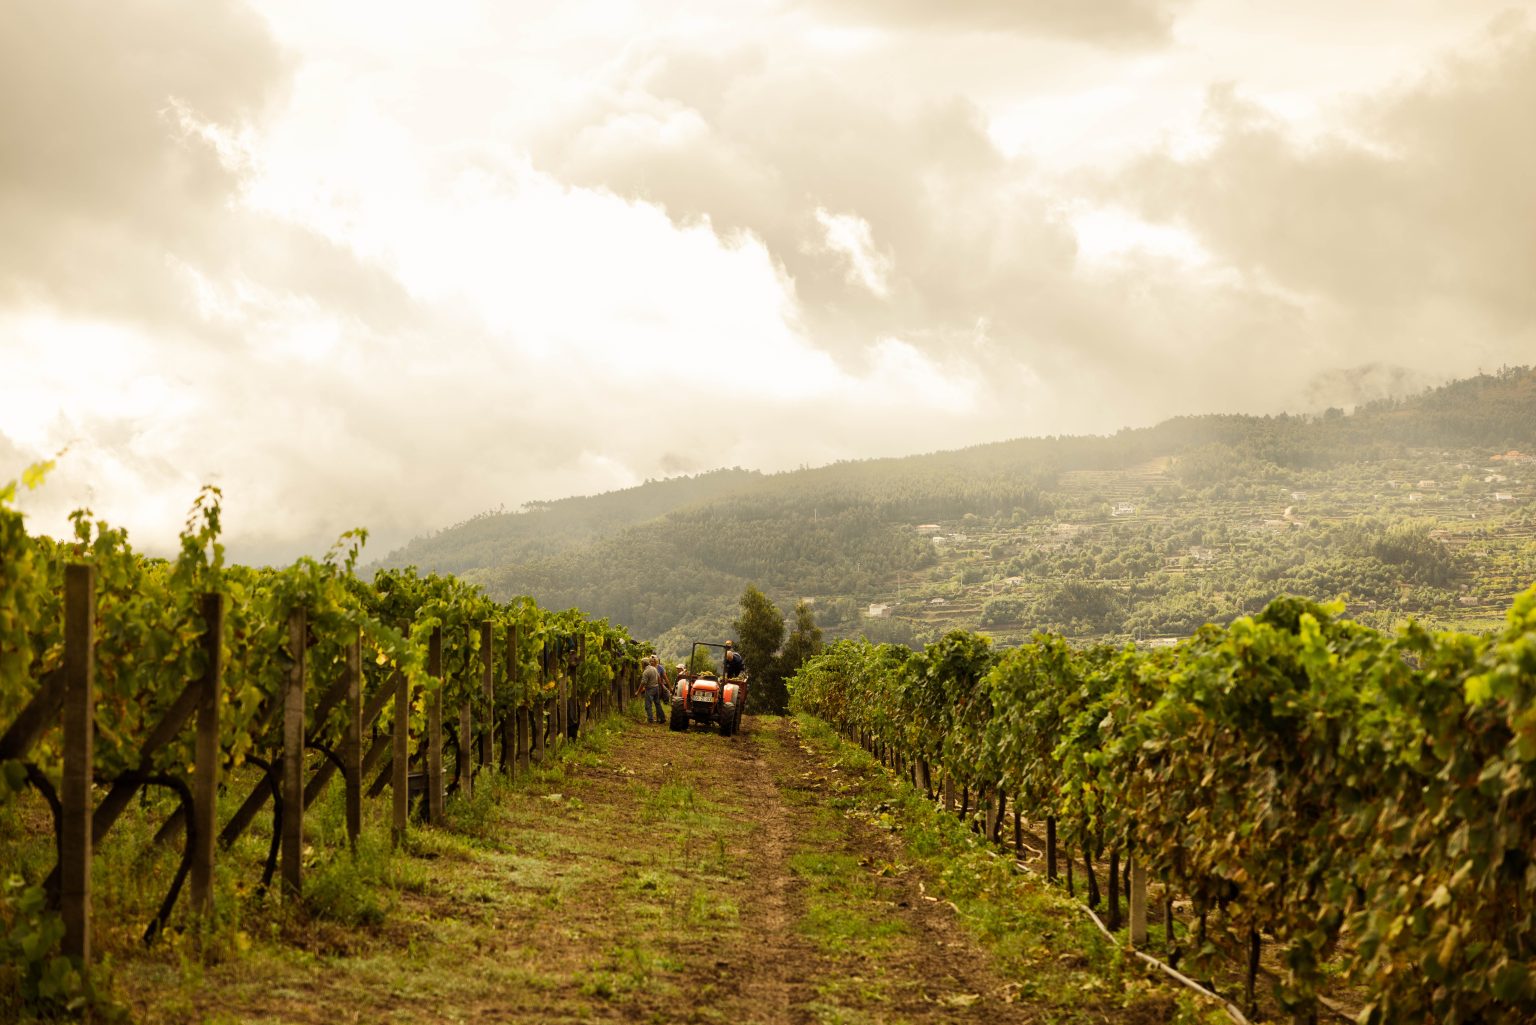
column 1420, row 505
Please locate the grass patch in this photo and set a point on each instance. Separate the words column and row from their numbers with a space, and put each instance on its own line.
column 1030, row 927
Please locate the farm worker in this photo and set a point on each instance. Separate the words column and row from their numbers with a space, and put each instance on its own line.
column 734, row 666
column 650, row 682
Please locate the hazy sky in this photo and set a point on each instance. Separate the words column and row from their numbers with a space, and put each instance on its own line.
column 393, row 263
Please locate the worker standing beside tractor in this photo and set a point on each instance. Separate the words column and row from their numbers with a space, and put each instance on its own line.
column 735, row 665
column 650, row 683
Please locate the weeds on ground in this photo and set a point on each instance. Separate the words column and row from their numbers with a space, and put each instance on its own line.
column 1036, row 934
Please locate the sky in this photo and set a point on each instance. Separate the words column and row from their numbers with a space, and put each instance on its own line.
column 394, row 264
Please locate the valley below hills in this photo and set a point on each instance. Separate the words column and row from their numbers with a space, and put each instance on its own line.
column 1422, row 507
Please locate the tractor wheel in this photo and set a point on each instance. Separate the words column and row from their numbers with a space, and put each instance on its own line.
column 727, row 724
column 679, row 721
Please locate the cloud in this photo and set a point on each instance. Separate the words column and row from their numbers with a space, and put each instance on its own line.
column 97, row 179
column 355, row 282
column 1115, row 23
column 1422, row 207
column 963, row 234
column 849, row 235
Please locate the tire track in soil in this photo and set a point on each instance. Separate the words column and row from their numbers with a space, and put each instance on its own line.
column 935, row 973
column 766, row 987
column 597, row 898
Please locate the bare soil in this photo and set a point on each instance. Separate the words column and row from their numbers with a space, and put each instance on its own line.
column 656, row 877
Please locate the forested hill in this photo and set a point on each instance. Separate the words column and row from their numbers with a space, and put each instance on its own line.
column 1149, row 531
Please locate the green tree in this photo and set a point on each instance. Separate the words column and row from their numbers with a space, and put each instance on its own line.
column 804, row 640
column 704, row 660
column 759, row 632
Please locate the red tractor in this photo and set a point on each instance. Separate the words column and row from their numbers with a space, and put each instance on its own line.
column 709, row 698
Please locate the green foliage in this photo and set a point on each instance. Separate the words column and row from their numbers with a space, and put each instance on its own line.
column 760, row 632
column 703, row 660
column 1355, row 794
column 150, row 644
column 1029, row 538
column 804, row 640
column 45, row 980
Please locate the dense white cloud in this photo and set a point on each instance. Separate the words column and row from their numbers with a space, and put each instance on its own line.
column 394, row 265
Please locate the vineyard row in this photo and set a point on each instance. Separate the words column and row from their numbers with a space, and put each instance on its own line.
column 1366, row 801
column 120, row 673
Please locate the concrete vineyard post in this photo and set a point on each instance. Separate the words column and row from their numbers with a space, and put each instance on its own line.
column 488, row 689
column 435, row 729
column 293, row 756
column 352, row 742
column 1050, row 847
column 541, row 718
column 79, row 757
column 509, row 725
column 1114, row 888
column 1138, row 902
column 206, row 757
column 562, row 710
column 400, row 757
column 520, row 751
column 466, row 768
column 578, row 712
column 464, row 750
column 536, row 714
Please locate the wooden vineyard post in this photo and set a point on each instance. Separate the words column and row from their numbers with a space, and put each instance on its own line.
column 79, row 757
column 1138, row 902
column 400, row 758
column 352, row 742
column 487, row 744
column 520, row 741
column 293, row 756
column 205, row 771
column 435, row 729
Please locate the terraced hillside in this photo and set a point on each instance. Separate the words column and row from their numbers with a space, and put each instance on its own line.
column 1422, row 506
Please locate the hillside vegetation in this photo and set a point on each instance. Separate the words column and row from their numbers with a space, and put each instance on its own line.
column 1417, row 506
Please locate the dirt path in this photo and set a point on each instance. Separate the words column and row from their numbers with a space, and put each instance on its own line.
column 658, row 877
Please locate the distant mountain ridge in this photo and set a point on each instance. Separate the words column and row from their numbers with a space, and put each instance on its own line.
column 547, row 528
column 673, row 555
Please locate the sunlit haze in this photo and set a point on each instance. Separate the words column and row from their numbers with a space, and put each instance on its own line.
column 393, row 264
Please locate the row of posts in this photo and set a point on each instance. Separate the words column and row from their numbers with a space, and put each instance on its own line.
column 993, row 806
column 524, row 739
